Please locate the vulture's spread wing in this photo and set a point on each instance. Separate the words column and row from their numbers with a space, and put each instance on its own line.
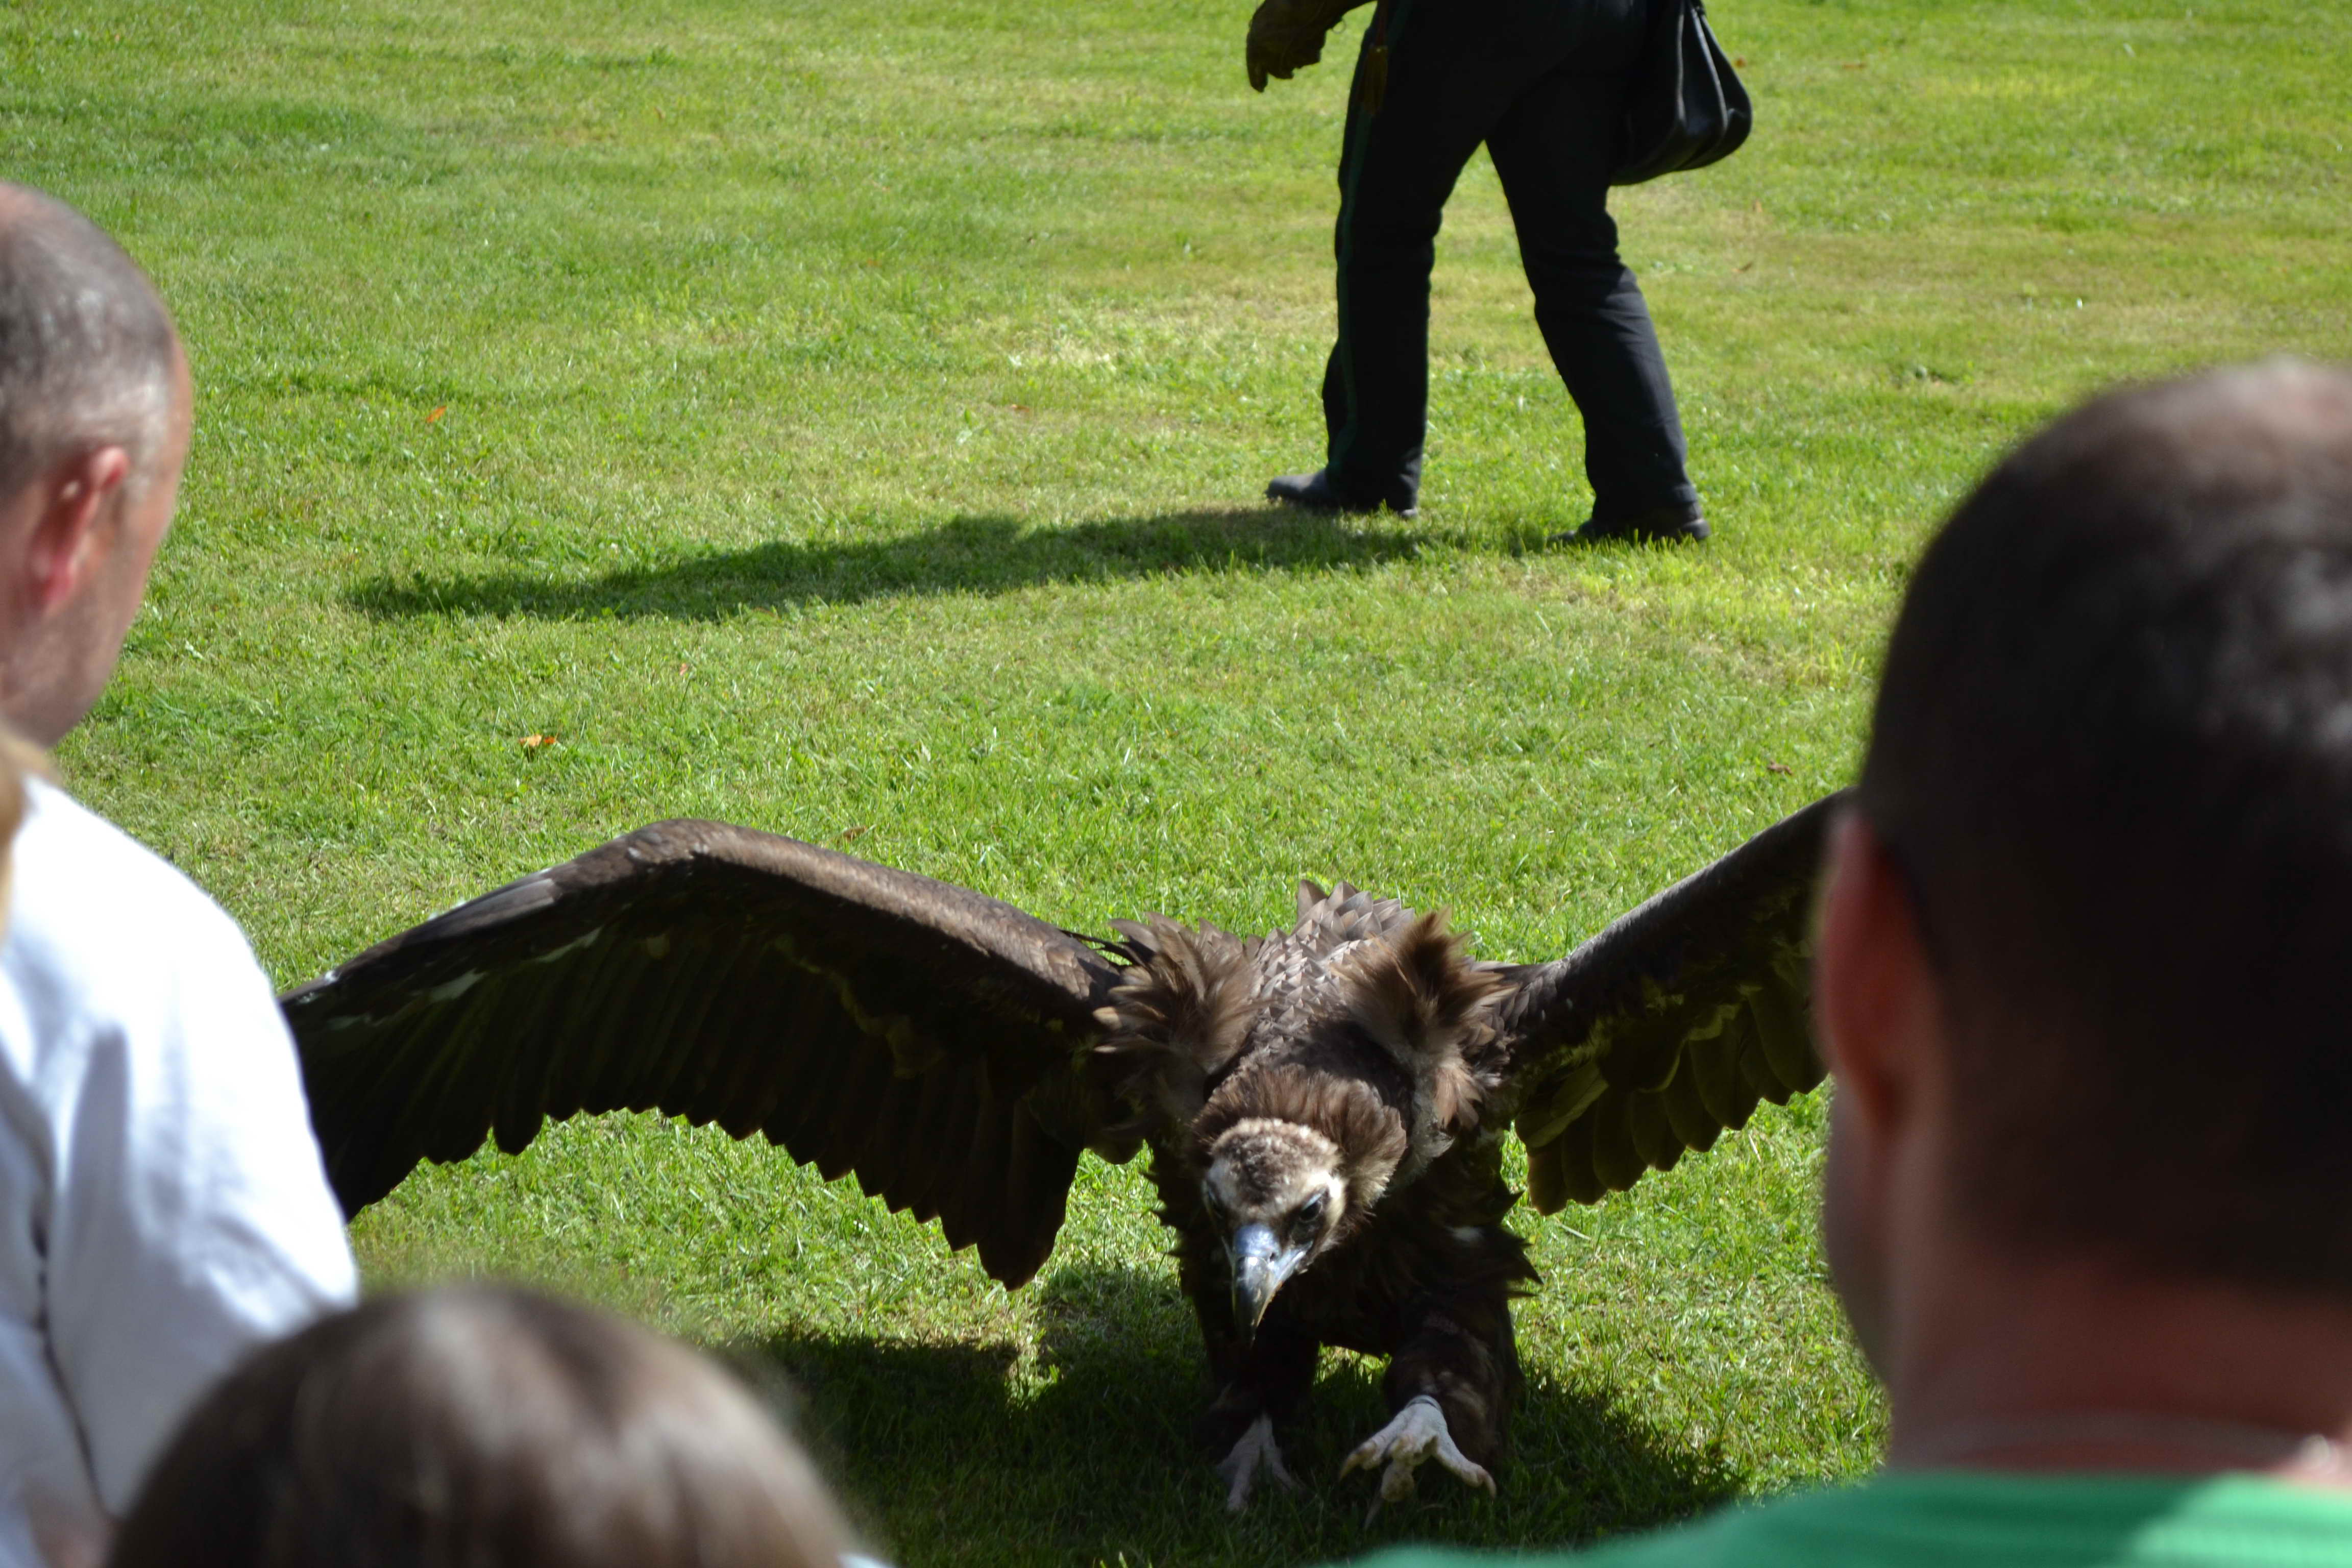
column 1666, row 1028
column 867, row 1019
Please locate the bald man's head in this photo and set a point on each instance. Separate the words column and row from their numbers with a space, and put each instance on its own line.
column 93, row 428
column 2112, row 754
column 87, row 355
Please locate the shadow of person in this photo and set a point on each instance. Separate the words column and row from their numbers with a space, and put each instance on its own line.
column 968, row 554
column 1083, row 1451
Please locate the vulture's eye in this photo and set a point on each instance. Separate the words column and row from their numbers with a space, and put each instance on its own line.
column 1309, row 1217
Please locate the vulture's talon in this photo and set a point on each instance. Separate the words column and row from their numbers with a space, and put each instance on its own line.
column 1240, row 1466
column 1415, row 1435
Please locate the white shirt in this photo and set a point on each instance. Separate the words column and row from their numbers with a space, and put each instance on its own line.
column 163, row 1203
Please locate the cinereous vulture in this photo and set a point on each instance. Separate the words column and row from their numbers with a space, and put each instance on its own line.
column 1325, row 1105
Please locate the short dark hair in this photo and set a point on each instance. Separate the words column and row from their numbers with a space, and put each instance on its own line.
column 478, row 1428
column 2112, row 752
column 87, row 349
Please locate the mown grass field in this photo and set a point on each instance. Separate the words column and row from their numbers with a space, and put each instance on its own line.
column 845, row 417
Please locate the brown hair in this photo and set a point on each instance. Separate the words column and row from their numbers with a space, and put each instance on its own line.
column 479, row 1427
column 2113, row 754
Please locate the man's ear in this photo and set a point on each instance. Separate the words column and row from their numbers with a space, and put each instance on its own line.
column 68, row 539
column 1871, row 974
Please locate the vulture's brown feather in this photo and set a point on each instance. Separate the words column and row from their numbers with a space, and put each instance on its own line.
column 884, row 1134
column 926, row 1126
column 1686, row 1113
column 842, row 1136
column 613, row 981
column 1679, row 985
column 830, row 1047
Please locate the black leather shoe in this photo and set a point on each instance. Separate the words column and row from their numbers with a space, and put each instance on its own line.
column 1661, row 525
column 1316, row 492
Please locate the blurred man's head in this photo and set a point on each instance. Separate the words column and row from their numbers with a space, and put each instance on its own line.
column 479, row 1427
column 2100, row 879
column 94, row 413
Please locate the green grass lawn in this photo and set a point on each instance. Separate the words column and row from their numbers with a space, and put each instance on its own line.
column 845, row 417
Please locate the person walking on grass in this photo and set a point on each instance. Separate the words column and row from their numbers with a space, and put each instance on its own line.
column 163, row 1203
column 2080, row 975
column 1542, row 84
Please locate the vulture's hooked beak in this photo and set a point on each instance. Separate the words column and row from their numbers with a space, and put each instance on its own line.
column 1260, row 1263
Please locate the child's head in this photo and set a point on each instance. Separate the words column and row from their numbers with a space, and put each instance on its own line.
column 479, row 1428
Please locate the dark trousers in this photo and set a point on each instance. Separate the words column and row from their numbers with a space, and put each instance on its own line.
column 1542, row 84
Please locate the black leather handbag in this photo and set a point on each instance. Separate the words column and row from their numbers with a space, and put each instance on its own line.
column 1685, row 109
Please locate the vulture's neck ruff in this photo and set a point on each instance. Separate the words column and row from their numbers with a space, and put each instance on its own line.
column 1303, row 1075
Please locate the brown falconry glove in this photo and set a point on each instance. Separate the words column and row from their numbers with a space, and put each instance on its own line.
column 1286, row 36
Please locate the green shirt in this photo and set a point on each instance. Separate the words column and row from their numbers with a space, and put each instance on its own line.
column 1963, row 1519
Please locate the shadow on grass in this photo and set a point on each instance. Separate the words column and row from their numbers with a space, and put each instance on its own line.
column 969, row 554
column 956, row 1455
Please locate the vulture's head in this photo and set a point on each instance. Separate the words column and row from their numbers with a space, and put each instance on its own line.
column 1292, row 1164
column 1274, row 1189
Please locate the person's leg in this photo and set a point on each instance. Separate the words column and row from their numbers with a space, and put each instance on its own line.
column 1396, row 169
column 1552, row 149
